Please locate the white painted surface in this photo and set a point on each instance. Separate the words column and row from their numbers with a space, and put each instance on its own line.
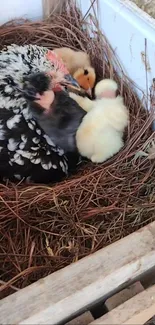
column 66, row 292
column 11, row 9
column 126, row 27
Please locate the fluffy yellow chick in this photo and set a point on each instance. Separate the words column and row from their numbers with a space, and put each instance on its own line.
column 73, row 59
column 79, row 66
column 103, row 86
column 100, row 134
column 84, row 102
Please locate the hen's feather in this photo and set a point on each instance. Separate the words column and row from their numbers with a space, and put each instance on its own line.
column 25, row 150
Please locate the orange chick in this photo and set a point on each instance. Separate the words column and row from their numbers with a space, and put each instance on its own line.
column 86, row 78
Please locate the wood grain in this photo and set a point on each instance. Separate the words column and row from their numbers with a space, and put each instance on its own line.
column 136, row 310
column 64, row 293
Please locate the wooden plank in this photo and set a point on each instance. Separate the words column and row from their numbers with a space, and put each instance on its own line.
column 84, row 319
column 120, row 297
column 142, row 317
column 71, row 290
column 151, row 321
column 52, row 6
column 137, row 310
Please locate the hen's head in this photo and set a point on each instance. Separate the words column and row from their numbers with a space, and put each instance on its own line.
column 37, row 83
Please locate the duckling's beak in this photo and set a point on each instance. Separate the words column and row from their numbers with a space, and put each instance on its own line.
column 89, row 92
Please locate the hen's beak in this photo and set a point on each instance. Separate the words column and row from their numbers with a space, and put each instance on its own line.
column 71, row 82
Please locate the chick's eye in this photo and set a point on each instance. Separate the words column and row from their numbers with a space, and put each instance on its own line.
column 88, row 79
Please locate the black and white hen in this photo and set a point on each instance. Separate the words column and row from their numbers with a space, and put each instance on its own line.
column 26, row 152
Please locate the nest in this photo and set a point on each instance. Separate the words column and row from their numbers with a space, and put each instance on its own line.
column 45, row 228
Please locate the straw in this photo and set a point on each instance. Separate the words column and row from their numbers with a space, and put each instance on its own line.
column 45, row 228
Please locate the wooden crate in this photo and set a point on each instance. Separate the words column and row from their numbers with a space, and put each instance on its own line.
column 64, row 294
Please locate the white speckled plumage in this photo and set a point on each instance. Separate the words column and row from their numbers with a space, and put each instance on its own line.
column 25, row 151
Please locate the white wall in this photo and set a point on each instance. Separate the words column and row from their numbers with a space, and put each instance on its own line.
column 20, row 9
column 126, row 27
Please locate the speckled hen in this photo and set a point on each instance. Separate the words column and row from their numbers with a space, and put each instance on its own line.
column 26, row 152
